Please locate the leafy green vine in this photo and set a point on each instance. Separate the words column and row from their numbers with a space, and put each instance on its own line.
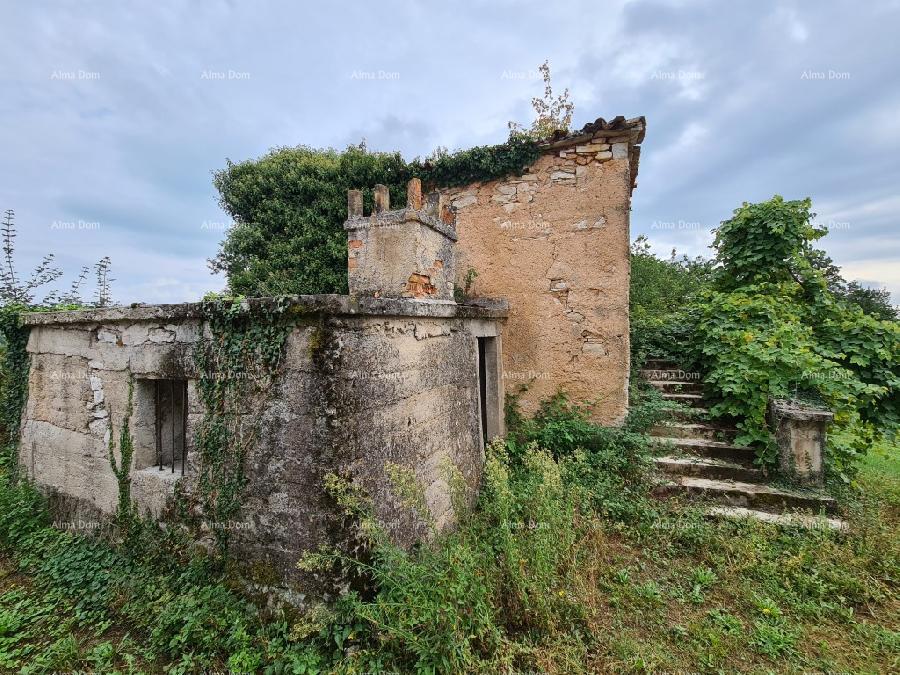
column 14, row 386
column 237, row 364
column 126, row 513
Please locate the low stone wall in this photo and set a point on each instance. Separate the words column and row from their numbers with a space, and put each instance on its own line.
column 365, row 383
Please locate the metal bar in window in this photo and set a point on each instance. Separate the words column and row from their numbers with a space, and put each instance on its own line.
column 184, row 418
column 157, row 425
column 172, row 409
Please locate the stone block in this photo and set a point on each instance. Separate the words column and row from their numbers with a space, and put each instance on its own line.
column 800, row 433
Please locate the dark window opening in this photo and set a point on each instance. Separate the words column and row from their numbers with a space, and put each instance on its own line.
column 170, row 424
column 482, row 388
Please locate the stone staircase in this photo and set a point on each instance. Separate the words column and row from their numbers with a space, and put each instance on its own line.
column 701, row 461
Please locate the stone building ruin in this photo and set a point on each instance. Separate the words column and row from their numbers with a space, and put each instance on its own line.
column 395, row 373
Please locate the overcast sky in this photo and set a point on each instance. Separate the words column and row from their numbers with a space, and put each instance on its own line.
column 113, row 115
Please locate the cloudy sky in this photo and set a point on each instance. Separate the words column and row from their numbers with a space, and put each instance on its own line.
column 113, row 115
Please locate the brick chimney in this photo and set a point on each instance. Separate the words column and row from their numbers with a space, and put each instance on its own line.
column 405, row 253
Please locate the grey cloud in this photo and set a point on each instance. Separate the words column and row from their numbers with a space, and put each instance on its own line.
column 730, row 117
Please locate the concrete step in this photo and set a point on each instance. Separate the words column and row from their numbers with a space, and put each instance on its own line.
column 704, row 467
column 804, row 520
column 686, row 399
column 659, row 364
column 677, row 386
column 696, row 430
column 669, row 374
column 755, row 496
column 692, row 414
column 710, row 449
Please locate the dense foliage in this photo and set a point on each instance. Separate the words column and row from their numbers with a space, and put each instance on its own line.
column 556, row 569
column 14, row 383
column 288, row 208
column 661, row 289
column 771, row 317
column 769, row 327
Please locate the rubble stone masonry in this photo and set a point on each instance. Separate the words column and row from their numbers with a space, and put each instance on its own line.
column 555, row 243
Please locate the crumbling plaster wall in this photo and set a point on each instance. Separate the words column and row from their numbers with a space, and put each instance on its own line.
column 555, row 243
column 358, row 391
column 78, row 384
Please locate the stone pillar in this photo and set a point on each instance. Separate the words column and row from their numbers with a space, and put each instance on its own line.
column 354, row 203
column 800, row 432
column 382, row 198
column 414, row 194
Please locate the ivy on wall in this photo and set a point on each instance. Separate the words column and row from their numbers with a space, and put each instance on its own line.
column 126, row 513
column 238, row 363
column 14, row 385
column 289, row 205
column 14, row 375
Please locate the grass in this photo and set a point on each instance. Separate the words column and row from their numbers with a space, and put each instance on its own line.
column 566, row 566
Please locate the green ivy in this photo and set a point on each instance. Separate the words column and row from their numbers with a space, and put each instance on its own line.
column 481, row 163
column 14, row 382
column 14, row 391
column 238, row 364
column 126, row 514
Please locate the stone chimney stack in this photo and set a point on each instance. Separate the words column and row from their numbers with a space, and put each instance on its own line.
column 405, row 253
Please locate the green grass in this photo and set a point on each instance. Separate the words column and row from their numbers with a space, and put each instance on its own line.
column 880, row 472
column 565, row 566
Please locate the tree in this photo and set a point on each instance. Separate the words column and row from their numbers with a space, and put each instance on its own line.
column 552, row 114
column 875, row 302
column 777, row 323
column 289, row 206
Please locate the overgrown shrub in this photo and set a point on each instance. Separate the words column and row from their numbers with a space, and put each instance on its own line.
column 771, row 328
column 289, row 205
column 771, row 317
column 660, row 295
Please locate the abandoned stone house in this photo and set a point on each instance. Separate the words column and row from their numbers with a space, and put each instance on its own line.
column 395, row 372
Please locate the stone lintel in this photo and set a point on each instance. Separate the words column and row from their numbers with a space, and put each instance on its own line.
column 325, row 304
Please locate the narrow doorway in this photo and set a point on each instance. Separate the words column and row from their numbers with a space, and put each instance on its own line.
column 490, row 394
column 482, row 388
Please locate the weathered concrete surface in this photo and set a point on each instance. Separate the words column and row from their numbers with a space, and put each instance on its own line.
column 800, row 433
column 365, row 384
column 404, row 253
column 555, row 243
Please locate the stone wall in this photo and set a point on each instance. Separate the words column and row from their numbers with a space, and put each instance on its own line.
column 555, row 243
column 365, row 383
column 406, row 253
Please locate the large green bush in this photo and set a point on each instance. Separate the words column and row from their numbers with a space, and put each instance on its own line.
column 771, row 327
column 661, row 290
column 289, row 205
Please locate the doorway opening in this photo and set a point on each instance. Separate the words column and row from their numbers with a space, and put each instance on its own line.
column 489, row 391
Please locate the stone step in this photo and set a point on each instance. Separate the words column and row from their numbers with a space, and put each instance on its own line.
column 804, row 520
column 692, row 414
column 709, row 468
column 710, row 449
column 755, row 496
column 659, row 364
column 669, row 374
column 696, row 430
column 677, row 386
column 686, row 399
